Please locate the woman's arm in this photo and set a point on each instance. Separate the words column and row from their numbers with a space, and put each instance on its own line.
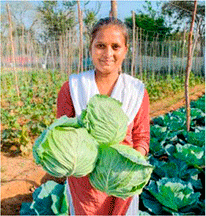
column 141, row 128
column 64, row 102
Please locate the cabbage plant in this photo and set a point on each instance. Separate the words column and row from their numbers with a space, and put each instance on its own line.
column 105, row 120
column 173, row 193
column 120, row 171
column 64, row 150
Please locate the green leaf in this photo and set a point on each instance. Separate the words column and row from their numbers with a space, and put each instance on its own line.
column 173, row 193
column 105, row 120
column 63, row 151
column 120, row 171
column 191, row 154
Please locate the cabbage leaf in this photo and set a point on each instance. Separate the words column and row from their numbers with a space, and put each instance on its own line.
column 64, row 151
column 120, row 171
column 105, row 120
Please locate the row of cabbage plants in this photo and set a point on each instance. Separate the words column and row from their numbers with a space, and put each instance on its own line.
column 177, row 186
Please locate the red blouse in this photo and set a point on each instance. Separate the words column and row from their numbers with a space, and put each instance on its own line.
column 86, row 199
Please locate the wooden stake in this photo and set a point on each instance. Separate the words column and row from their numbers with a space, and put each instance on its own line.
column 189, row 65
column 133, row 44
column 80, row 17
column 12, row 47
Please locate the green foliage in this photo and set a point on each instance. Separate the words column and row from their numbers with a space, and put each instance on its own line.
column 178, row 156
column 24, row 118
column 173, row 194
column 152, row 25
column 151, row 20
column 48, row 199
column 58, row 17
column 168, row 86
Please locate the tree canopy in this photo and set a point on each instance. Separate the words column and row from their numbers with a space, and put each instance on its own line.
column 151, row 21
column 181, row 11
column 57, row 17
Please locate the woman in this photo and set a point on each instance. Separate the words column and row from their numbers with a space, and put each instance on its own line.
column 108, row 48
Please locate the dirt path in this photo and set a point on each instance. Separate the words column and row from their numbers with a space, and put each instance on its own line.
column 20, row 176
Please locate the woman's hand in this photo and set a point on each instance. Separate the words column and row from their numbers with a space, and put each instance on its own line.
column 141, row 150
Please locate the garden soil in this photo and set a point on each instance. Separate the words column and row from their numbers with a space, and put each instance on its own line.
column 20, row 175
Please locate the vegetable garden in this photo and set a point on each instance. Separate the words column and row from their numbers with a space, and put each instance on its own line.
column 178, row 182
column 178, row 155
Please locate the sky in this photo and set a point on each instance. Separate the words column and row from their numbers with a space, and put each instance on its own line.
column 124, row 8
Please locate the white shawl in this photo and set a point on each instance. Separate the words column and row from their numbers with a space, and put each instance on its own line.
column 128, row 90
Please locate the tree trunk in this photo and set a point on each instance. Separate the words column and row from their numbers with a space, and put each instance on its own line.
column 113, row 11
column 80, row 16
column 188, row 68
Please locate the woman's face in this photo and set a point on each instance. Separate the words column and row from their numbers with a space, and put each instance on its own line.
column 108, row 49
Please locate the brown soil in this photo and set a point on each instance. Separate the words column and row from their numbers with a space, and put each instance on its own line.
column 20, row 175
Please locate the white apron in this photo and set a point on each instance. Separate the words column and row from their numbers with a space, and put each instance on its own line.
column 128, row 90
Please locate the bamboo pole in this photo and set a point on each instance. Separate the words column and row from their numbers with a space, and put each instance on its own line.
column 80, row 17
column 136, row 51
column 61, row 53
column 188, row 69
column 133, row 43
column 12, row 47
column 183, row 49
column 140, row 54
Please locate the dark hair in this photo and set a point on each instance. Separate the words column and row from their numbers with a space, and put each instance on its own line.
column 106, row 22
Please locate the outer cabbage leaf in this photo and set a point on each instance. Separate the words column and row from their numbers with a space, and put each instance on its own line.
column 191, row 154
column 64, row 151
column 195, row 138
column 200, row 104
column 175, row 168
column 49, row 199
column 105, row 120
column 173, row 193
column 120, row 171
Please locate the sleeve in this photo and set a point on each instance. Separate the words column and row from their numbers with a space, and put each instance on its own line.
column 64, row 102
column 141, row 128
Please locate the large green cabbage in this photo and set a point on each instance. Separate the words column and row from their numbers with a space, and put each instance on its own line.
column 63, row 150
column 105, row 119
column 173, row 193
column 120, row 171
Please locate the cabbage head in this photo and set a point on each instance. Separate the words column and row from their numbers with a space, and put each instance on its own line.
column 105, row 120
column 64, row 150
column 120, row 171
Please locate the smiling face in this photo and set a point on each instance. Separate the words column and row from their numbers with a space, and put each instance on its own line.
column 108, row 49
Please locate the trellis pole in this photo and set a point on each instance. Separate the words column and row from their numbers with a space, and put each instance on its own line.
column 140, row 53
column 188, row 69
column 12, row 47
column 136, row 50
column 80, row 17
column 133, row 44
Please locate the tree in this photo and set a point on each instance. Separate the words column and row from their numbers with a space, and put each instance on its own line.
column 24, row 18
column 113, row 11
column 151, row 26
column 57, row 17
column 181, row 12
column 90, row 16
